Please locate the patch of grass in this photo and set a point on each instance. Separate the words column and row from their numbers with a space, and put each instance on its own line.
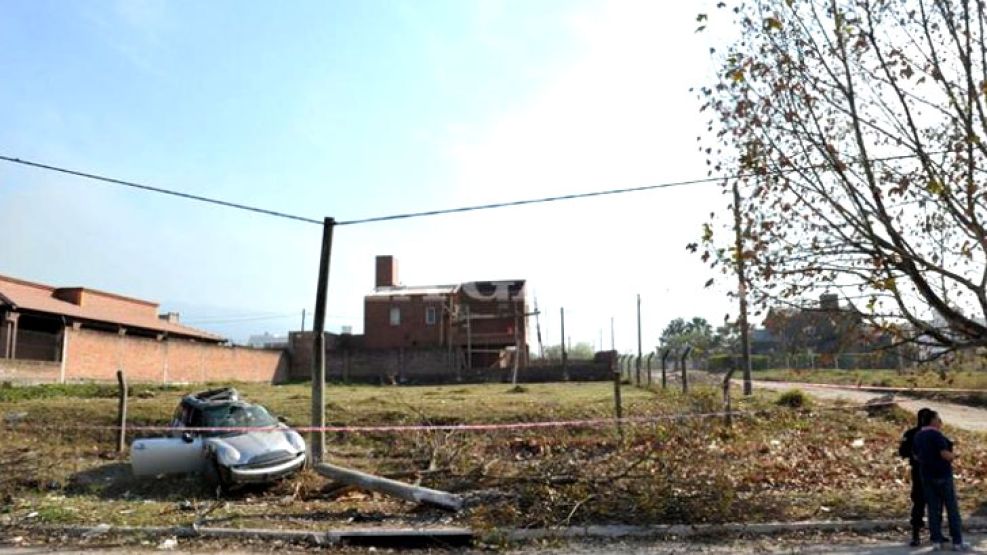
column 11, row 393
column 794, row 398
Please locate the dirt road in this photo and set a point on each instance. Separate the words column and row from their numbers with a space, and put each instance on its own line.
column 960, row 416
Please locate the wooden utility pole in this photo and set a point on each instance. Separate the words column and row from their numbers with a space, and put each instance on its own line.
column 541, row 349
column 303, row 320
column 317, row 439
column 565, row 356
column 387, row 486
column 612, row 342
column 745, row 343
column 637, row 374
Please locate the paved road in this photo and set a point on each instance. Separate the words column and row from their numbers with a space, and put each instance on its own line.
column 960, row 416
column 857, row 546
column 845, row 546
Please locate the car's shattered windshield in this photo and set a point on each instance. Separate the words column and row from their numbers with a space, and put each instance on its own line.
column 238, row 416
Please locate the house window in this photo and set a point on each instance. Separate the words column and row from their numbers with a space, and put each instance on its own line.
column 430, row 316
column 395, row 316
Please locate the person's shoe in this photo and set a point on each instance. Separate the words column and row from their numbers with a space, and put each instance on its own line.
column 962, row 547
column 916, row 536
column 939, row 546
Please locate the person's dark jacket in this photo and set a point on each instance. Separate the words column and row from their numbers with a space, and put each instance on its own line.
column 906, row 449
column 929, row 444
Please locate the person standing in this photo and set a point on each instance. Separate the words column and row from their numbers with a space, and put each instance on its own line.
column 906, row 450
column 935, row 457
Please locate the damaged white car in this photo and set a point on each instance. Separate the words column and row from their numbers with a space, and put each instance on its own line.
column 259, row 448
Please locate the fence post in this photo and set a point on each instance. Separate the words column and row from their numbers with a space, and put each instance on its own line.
column 685, row 373
column 122, row 413
column 664, row 374
column 617, row 405
column 650, row 356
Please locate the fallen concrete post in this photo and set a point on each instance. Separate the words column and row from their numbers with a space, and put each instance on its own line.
column 387, row 486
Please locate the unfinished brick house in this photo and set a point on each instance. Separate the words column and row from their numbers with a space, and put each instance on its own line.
column 482, row 323
column 78, row 333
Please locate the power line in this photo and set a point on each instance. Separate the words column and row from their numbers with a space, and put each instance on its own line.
column 409, row 215
column 530, row 201
column 160, row 190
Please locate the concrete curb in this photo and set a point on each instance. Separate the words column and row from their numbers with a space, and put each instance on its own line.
column 713, row 530
column 368, row 536
column 463, row 536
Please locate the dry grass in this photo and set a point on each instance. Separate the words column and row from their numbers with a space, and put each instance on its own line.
column 775, row 463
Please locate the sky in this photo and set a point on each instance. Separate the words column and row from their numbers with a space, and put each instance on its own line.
column 352, row 110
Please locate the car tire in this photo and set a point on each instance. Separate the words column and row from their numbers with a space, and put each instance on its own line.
column 215, row 478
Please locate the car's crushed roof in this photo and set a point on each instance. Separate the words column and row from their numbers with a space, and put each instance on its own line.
column 214, row 397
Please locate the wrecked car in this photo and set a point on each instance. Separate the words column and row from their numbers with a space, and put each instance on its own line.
column 259, row 448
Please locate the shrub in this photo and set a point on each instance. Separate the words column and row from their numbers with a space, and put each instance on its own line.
column 794, row 398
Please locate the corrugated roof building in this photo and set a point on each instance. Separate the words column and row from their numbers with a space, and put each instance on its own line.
column 36, row 321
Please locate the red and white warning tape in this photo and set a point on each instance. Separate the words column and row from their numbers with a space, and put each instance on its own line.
column 587, row 423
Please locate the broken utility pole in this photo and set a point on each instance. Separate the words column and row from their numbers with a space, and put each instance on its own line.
column 400, row 490
column 317, row 439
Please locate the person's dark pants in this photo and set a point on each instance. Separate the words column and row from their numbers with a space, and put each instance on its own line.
column 939, row 493
column 918, row 501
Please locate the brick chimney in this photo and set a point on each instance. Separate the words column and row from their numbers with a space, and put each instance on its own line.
column 387, row 271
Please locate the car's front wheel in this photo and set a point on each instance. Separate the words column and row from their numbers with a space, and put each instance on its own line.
column 215, row 478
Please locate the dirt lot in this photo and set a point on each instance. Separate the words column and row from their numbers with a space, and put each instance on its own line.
column 776, row 463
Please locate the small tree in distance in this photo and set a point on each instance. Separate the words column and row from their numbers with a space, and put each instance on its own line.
column 579, row 351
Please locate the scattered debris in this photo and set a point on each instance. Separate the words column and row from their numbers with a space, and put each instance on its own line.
column 97, row 531
column 14, row 417
column 168, row 544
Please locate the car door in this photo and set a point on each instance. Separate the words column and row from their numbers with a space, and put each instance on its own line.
column 167, row 455
column 179, row 453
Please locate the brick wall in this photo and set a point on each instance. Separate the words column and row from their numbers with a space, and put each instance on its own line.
column 421, row 366
column 96, row 355
column 412, row 330
column 28, row 371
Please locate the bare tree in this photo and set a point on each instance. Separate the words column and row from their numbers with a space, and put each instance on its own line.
column 856, row 131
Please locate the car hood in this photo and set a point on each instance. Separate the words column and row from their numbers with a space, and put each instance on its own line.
column 252, row 444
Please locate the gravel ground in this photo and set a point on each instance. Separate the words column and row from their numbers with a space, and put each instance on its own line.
column 959, row 416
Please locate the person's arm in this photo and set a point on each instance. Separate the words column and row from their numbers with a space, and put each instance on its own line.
column 947, row 455
column 905, row 446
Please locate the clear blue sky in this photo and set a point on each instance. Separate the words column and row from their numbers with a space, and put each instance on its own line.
column 352, row 109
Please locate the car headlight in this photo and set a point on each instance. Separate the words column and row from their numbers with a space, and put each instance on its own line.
column 227, row 455
column 295, row 440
